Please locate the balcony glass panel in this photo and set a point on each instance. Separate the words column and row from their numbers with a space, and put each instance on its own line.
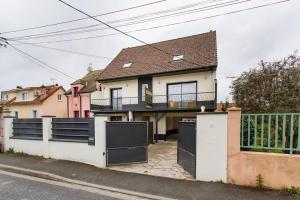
column 182, row 95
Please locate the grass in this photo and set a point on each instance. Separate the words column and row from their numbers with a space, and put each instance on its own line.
column 293, row 191
column 13, row 152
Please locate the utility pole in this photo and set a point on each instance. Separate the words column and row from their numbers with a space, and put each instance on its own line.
column 3, row 42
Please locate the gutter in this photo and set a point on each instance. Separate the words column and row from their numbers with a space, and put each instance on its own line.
column 190, row 70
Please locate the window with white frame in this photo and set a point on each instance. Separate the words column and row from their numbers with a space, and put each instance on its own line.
column 34, row 114
column 59, row 97
column 24, row 96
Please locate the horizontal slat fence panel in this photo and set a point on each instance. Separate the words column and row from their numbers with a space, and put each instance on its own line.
column 28, row 128
column 271, row 132
column 72, row 129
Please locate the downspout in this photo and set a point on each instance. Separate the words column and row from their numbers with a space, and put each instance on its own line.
column 68, row 104
column 216, row 93
column 80, row 106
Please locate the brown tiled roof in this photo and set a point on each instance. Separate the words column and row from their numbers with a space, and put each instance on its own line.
column 39, row 99
column 199, row 51
column 89, row 82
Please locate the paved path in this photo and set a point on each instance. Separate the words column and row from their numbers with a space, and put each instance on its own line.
column 179, row 189
column 13, row 188
column 162, row 161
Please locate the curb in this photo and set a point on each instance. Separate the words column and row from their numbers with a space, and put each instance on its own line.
column 54, row 177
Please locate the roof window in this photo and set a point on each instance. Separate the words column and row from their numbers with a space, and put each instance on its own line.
column 178, row 57
column 127, row 65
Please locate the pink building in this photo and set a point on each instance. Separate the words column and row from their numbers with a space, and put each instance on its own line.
column 79, row 94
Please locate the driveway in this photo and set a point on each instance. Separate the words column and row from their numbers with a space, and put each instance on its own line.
column 162, row 161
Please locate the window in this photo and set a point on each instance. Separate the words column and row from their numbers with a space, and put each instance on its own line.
column 16, row 114
column 116, row 118
column 127, row 65
column 7, row 97
column 144, row 88
column 76, row 114
column 86, row 113
column 24, row 96
column 182, row 95
column 116, row 99
column 34, row 114
column 75, row 91
column 178, row 57
column 59, row 97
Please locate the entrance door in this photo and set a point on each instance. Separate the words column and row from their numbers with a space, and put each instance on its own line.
column 186, row 147
column 126, row 142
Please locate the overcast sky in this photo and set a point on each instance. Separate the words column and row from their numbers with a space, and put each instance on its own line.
column 243, row 39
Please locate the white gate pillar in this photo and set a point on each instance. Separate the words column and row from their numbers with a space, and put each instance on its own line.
column 8, row 131
column 47, row 134
column 211, row 146
column 100, row 139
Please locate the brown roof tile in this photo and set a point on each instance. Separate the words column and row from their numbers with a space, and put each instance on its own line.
column 89, row 80
column 199, row 51
column 50, row 90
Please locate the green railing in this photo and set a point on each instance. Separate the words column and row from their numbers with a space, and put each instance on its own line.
column 271, row 132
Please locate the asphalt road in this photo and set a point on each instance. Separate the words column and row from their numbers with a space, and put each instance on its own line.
column 13, row 188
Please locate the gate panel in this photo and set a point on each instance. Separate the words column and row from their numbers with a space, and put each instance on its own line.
column 126, row 142
column 186, row 148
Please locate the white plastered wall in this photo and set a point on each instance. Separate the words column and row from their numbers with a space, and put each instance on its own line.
column 211, row 147
column 72, row 151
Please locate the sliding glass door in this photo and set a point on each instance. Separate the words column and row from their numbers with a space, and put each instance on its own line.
column 182, row 95
column 116, row 99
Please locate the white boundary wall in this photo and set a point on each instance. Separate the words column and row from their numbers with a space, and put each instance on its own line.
column 211, row 147
column 72, row 151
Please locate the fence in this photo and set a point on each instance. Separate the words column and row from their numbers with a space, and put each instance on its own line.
column 28, row 129
column 73, row 129
column 271, row 132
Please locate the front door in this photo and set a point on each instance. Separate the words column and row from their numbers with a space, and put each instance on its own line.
column 126, row 142
column 186, row 147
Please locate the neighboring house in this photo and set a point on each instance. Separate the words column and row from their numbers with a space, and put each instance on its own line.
column 79, row 94
column 164, row 83
column 33, row 102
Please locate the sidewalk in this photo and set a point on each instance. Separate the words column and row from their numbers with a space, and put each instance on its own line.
column 179, row 189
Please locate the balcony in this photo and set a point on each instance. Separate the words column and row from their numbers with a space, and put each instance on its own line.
column 179, row 102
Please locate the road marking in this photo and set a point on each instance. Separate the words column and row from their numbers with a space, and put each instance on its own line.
column 75, row 187
column 75, row 184
column 6, row 183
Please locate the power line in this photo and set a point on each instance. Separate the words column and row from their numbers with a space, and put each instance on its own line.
column 90, row 55
column 79, row 19
column 40, row 62
column 133, row 18
column 124, row 33
column 63, row 32
column 165, row 25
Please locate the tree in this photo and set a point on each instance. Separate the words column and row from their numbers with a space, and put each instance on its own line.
column 270, row 87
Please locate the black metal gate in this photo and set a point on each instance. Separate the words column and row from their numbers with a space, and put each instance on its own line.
column 186, row 148
column 126, row 142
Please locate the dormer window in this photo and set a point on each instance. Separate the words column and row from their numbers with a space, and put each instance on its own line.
column 127, row 65
column 178, row 57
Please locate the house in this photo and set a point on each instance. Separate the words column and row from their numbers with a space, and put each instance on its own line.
column 163, row 83
column 33, row 102
column 79, row 94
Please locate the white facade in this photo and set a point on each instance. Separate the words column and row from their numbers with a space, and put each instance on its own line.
column 205, row 83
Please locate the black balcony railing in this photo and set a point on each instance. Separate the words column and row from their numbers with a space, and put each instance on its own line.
column 156, row 102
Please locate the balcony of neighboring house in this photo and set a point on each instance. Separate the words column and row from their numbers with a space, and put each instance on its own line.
column 185, row 101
